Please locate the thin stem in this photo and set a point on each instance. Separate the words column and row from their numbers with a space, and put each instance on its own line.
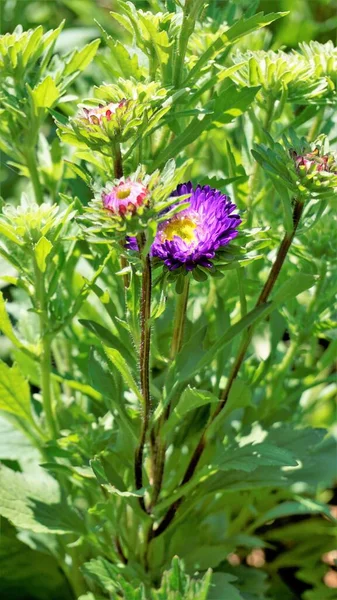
column 144, row 359
column 118, row 160
column 191, row 11
column 254, row 178
column 273, row 275
column 119, row 172
column 45, row 358
column 243, row 302
column 34, row 175
column 177, row 342
column 266, row 291
column 316, row 125
column 179, row 320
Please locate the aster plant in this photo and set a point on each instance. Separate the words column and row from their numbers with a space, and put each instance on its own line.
column 167, row 307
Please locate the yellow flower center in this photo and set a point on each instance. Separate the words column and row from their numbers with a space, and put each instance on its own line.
column 183, row 227
column 123, row 192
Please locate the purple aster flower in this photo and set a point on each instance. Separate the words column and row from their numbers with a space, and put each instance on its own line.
column 191, row 237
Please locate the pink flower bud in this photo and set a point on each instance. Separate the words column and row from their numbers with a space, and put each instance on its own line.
column 96, row 115
column 126, row 197
column 314, row 162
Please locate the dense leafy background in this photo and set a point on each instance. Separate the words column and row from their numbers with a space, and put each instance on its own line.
column 259, row 509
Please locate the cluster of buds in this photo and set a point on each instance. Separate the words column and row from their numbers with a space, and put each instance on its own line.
column 126, row 197
column 98, row 114
column 313, row 162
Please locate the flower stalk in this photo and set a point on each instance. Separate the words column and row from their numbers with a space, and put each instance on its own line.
column 144, row 359
column 118, row 161
column 177, row 342
column 45, row 358
column 180, row 318
column 266, row 291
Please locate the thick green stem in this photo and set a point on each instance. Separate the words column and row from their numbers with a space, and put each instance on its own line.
column 144, row 360
column 45, row 358
column 272, row 278
column 34, row 175
column 179, row 320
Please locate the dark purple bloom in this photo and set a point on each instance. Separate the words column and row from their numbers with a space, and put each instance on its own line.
column 192, row 236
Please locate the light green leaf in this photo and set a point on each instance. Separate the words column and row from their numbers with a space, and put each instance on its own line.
column 251, row 456
column 103, row 573
column 6, row 325
column 14, row 444
column 190, row 399
column 42, row 250
column 33, row 44
column 111, row 489
column 120, row 363
column 226, row 107
column 223, row 588
column 14, row 392
column 240, row 396
column 248, row 320
column 239, row 29
column 301, row 506
column 81, row 58
column 7, row 231
column 45, row 94
column 109, row 339
column 33, row 501
column 295, row 285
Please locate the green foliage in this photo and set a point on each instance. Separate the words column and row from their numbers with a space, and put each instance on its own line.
column 147, row 413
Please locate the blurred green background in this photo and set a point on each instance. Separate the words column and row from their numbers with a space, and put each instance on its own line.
column 309, row 19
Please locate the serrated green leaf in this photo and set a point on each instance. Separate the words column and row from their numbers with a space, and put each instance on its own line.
column 251, row 456
column 103, row 573
column 109, row 339
column 121, row 365
column 295, row 285
column 14, row 392
column 14, row 444
column 42, row 250
column 81, row 58
column 239, row 29
column 190, row 399
column 301, row 506
column 45, row 94
column 6, row 325
column 33, row 501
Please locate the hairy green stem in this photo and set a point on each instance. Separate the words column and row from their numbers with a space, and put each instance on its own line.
column 144, row 359
column 45, row 358
column 272, row 278
column 177, row 342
